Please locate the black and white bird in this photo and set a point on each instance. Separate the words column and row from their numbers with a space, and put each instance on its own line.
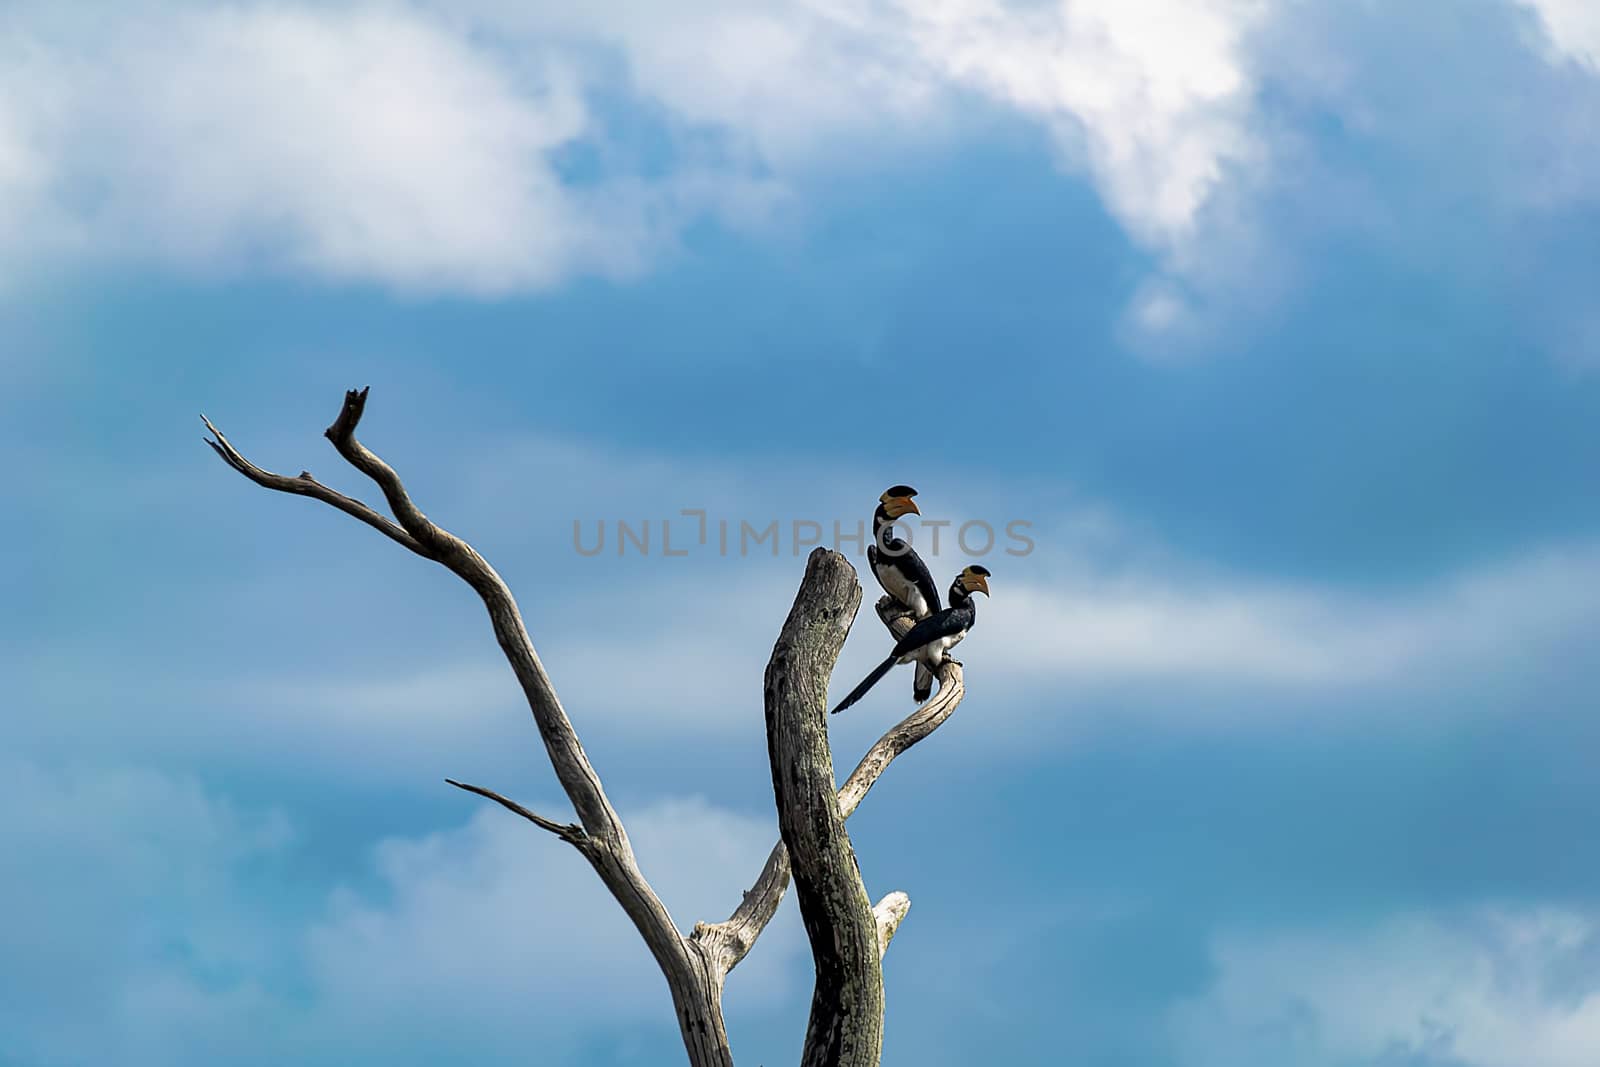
column 901, row 571
column 929, row 642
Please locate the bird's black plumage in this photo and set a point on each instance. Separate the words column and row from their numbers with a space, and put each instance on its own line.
column 900, row 570
column 929, row 641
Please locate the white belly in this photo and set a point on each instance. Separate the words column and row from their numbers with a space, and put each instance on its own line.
column 932, row 654
column 903, row 590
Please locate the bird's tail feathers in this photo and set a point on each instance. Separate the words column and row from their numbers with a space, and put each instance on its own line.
column 922, row 686
column 866, row 683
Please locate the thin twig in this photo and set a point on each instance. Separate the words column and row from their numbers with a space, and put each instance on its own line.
column 570, row 832
column 305, row 485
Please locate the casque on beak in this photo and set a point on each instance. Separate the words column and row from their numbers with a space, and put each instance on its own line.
column 975, row 581
column 897, row 506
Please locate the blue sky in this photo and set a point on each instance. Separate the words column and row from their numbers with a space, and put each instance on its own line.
column 1275, row 320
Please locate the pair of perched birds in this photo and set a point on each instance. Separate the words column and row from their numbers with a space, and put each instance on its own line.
column 905, row 577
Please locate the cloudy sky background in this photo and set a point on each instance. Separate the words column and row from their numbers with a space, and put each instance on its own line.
column 1275, row 319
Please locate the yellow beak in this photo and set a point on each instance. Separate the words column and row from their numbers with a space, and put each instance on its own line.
column 977, row 583
column 901, row 505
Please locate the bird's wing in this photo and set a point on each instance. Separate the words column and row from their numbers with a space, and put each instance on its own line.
column 923, row 580
column 946, row 623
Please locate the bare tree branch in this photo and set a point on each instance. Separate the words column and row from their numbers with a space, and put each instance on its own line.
column 305, row 485
column 695, row 983
column 731, row 940
column 343, row 435
column 845, row 1028
column 889, row 912
column 571, row 833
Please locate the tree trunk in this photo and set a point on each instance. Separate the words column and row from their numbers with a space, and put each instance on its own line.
column 846, row 1024
column 697, row 998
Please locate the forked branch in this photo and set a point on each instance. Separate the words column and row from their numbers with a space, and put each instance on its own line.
column 305, row 485
column 606, row 846
column 731, row 940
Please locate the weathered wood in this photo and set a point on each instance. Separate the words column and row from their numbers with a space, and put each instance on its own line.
column 571, row 833
column 846, row 1024
column 888, row 912
column 732, row 939
column 693, row 978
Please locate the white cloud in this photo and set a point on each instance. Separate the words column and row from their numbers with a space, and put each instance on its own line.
column 1097, row 627
column 363, row 143
column 781, row 78
column 1094, row 627
column 617, row 670
column 395, row 143
column 1151, row 101
column 493, row 926
column 417, row 708
column 437, row 147
column 1491, row 989
column 156, row 926
column 21, row 168
column 1573, row 27
column 1152, row 97
column 480, row 919
column 353, row 144
column 29, row 104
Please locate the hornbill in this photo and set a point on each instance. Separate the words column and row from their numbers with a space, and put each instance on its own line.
column 901, row 571
column 928, row 643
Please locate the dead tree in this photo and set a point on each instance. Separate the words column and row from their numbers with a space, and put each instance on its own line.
column 848, row 934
